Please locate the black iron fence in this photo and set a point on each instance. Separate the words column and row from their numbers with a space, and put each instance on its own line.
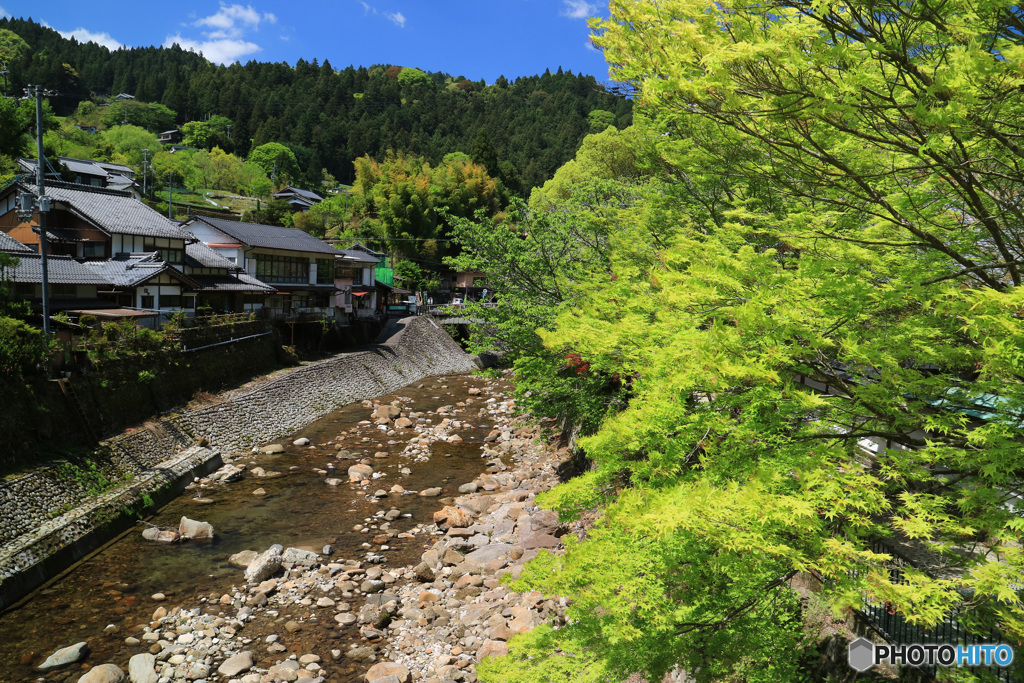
column 889, row 622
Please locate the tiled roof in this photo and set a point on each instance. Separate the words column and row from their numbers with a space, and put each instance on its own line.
column 235, row 282
column 113, row 211
column 198, row 255
column 269, row 236
column 8, row 243
column 303, row 194
column 129, row 270
column 60, row 270
column 358, row 256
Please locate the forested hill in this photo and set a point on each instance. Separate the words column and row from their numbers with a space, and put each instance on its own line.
column 534, row 124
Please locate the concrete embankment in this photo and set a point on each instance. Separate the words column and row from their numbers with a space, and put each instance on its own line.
column 50, row 516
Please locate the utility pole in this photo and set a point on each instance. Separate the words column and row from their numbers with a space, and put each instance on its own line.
column 4, row 71
column 170, row 204
column 27, row 204
column 145, row 169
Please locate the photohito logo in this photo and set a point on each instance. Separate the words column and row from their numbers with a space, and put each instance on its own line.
column 863, row 654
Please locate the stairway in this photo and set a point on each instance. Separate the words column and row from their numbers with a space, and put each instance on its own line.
column 76, row 406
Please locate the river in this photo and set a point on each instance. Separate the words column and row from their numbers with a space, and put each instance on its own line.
column 107, row 597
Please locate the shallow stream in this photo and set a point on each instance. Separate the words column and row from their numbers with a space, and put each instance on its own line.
column 107, row 596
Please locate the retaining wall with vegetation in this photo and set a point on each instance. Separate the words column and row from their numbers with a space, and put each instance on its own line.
column 48, row 517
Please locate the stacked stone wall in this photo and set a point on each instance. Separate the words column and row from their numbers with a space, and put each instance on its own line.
column 40, row 511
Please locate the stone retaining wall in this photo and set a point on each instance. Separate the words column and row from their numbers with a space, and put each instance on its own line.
column 40, row 537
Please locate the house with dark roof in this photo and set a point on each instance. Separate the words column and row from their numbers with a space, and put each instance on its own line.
column 300, row 200
column 139, row 252
column 9, row 244
column 223, row 286
column 296, row 264
column 72, row 285
column 89, row 172
column 355, row 282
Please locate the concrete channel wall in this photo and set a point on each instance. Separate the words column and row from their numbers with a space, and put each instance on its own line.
column 51, row 516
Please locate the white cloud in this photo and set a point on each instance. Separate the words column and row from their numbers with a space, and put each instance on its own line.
column 366, row 7
column 228, row 18
column 578, row 9
column 397, row 18
column 225, row 41
column 220, row 51
column 83, row 35
column 4, row 13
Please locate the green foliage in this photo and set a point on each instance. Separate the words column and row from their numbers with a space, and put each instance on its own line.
column 127, row 142
column 413, row 201
column 275, row 155
column 213, row 132
column 535, row 123
column 833, row 198
column 15, row 123
column 151, row 116
column 12, row 47
column 23, row 350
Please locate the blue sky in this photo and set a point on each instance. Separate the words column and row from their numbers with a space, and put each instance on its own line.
column 476, row 39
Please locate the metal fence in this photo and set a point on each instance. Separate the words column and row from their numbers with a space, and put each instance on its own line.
column 896, row 630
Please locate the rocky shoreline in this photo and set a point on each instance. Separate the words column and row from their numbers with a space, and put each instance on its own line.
column 431, row 621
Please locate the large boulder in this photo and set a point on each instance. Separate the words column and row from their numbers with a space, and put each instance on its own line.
column 492, row 648
column 66, row 655
column 192, row 529
column 236, row 664
column 359, row 472
column 152, row 533
column 142, row 668
column 490, row 558
column 104, row 673
column 242, row 559
column 383, row 669
column 302, row 558
column 263, row 567
column 449, row 517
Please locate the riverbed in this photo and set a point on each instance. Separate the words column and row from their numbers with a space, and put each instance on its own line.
column 107, row 597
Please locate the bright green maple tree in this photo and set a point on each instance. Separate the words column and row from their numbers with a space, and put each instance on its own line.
column 849, row 214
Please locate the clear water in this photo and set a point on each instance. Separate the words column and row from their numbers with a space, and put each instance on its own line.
column 115, row 584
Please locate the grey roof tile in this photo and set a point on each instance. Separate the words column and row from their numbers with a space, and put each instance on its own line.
column 129, row 270
column 198, row 255
column 8, row 243
column 60, row 270
column 270, row 236
column 114, row 211
column 235, row 282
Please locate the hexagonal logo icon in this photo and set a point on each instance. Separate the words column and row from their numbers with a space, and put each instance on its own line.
column 861, row 655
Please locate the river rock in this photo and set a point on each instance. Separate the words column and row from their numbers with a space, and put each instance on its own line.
column 431, row 492
column 195, row 530
column 142, row 668
column 260, row 492
column 302, row 558
column 492, row 648
column 471, row 487
column 104, row 673
column 490, row 558
column 359, row 472
column 263, row 567
column 66, row 655
column 236, row 664
column 152, row 533
column 273, row 448
column 301, row 442
column 242, row 559
column 449, row 517
column 403, row 423
column 382, row 669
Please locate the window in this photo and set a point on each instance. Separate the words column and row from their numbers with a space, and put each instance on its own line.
column 169, row 254
column 94, row 250
column 325, row 271
column 170, row 301
column 147, row 302
column 64, row 291
column 26, row 289
column 273, row 268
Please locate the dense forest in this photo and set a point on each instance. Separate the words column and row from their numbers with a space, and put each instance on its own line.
column 522, row 130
